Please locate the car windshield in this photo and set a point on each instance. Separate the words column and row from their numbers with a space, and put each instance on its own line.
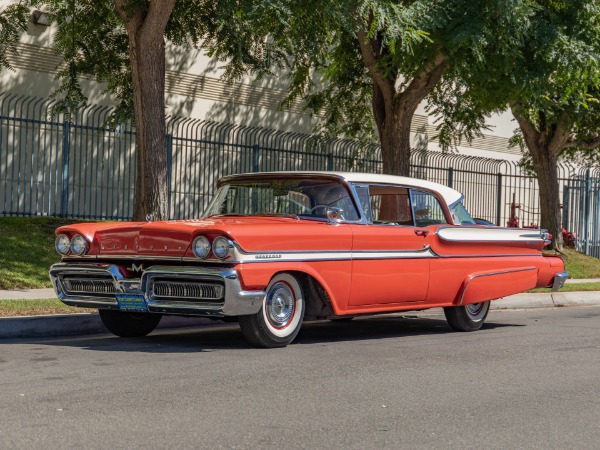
column 463, row 216
column 296, row 198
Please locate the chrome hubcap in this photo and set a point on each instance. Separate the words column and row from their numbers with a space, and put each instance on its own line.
column 476, row 311
column 280, row 304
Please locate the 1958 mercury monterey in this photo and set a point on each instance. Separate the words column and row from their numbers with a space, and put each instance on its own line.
column 274, row 249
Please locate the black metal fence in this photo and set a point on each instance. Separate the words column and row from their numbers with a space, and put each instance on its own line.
column 83, row 169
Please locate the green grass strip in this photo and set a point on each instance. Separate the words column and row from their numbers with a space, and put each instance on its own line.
column 575, row 287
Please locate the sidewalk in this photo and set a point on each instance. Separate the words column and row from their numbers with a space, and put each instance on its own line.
column 27, row 294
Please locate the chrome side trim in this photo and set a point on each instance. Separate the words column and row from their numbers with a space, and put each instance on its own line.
column 559, row 280
column 475, row 234
column 241, row 257
column 490, row 274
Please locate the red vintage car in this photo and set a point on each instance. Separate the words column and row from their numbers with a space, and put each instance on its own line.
column 276, row 249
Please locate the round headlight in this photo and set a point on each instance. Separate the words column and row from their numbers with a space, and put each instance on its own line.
column 221, row 247
column 201, row 247
column 78, row 245
column 62, row 244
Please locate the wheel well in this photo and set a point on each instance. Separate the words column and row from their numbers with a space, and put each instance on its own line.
column 317, row 302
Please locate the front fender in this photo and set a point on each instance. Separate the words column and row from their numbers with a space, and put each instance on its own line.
column 334, row 277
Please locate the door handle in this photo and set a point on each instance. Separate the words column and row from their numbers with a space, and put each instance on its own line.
column 421, row 232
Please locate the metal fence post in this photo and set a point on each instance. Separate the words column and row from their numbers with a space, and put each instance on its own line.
column 169, row 172
column 66, row 155
column 498, row 199
column 255, row 158
column 450, row 176
column 565, row 214
column 586, row 223
column 330, row 161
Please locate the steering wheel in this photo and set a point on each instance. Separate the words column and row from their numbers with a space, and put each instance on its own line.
column 324, row 207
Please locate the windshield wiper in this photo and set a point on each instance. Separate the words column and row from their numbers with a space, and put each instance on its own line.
column 228, row 215
column 272, row 214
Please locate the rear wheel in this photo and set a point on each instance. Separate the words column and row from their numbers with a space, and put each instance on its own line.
column 126, row 324
column 280, row 318
column 467, row 317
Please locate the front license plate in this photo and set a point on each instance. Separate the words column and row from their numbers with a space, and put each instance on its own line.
column 132, row 303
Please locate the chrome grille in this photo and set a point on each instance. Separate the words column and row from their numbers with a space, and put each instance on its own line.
column 187, row 290
column 89, row 286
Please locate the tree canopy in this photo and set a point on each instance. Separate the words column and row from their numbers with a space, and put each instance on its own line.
column 365, row 65
column 552, row 87
column 122, row 43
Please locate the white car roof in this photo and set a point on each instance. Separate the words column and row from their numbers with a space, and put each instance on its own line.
column 450, row 195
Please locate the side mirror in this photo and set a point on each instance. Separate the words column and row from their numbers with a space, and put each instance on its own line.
column 334, row 215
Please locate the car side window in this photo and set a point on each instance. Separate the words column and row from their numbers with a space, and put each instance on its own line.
column 427, row 209
column 390, row 205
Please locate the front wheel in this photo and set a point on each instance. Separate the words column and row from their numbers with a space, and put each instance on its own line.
column 280, row 318
column 127, row 324
column 467, row 317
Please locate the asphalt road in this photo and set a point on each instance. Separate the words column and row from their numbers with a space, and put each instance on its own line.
column 529, row 379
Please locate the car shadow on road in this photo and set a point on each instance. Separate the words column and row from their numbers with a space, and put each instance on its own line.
column 381, row 327
column 229, row 336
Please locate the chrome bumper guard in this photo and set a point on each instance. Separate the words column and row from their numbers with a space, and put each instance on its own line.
column 559, row 280
column 207, row 291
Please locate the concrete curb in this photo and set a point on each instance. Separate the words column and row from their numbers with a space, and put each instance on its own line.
column 86, row 324
column 78, row 324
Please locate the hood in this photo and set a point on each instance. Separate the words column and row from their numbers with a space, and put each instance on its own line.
column 174, row 238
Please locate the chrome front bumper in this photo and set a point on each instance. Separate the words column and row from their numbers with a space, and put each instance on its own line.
column 559, row 280
column 97, row 285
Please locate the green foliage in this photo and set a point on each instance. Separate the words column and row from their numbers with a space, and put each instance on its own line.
column 318, row 43
column 13, row 22
column 551, row 70
column 94, row 43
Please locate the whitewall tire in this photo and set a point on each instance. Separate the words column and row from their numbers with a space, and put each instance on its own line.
column 467, row 317
column 280, row 318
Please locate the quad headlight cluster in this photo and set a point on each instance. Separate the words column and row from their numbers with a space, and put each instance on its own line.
column 221, row 247
column 77, row 245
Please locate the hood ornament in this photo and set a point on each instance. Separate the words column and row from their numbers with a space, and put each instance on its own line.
column 150, row 217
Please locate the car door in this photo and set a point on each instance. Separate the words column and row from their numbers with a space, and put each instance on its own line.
column 390, row 256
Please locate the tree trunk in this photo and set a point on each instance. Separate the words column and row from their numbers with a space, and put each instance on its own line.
column 395, row 147
column 145, row 30
column 394, row 134
column 546, row 168
column 393, row 110
column 544, row 148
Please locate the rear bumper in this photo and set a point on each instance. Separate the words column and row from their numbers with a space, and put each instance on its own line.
column 559, row 280
column 183, row 289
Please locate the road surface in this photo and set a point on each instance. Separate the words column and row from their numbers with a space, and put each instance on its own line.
column 529, row 379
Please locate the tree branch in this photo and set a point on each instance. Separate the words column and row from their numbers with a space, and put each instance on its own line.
column 424, row 82
column 370, row 58
column 159, row 12
column 530, row 133
column 561, row 136
column 587, row 145
column 132, row 23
